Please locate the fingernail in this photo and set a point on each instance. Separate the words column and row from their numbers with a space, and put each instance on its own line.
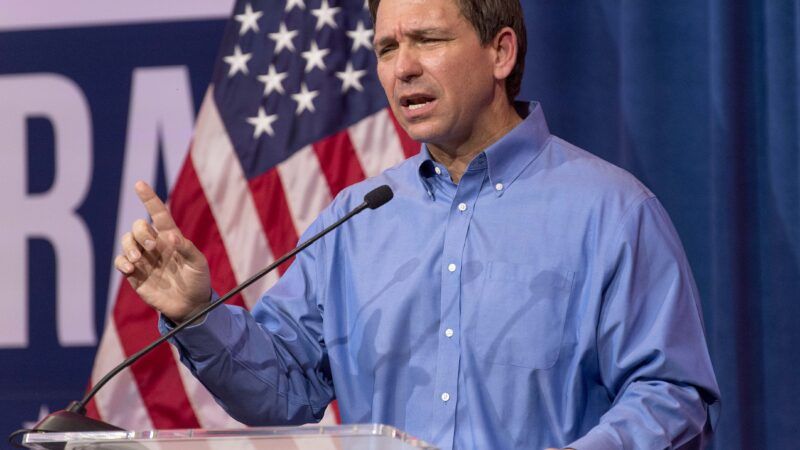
column 149, row 244
column 128, row 267
column 133, row 255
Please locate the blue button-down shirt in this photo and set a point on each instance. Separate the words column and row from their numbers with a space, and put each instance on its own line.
column 544, row 300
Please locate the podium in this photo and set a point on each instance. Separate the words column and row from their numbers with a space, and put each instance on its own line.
column 343, row 437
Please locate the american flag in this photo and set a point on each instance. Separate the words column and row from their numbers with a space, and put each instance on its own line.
column 293, row 115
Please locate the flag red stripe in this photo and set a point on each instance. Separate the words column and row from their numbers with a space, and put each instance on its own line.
column 193, row 216
column 156, row 374
column 338, row 161
column 273, row 211
column 410, row 146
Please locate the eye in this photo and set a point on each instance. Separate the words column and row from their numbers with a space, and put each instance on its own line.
column 386, row 49
column 432, row 41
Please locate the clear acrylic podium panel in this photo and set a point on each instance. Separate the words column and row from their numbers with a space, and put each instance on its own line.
column 345, row 437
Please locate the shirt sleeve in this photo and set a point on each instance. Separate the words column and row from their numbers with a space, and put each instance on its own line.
column 268, row 367
column 651, row 345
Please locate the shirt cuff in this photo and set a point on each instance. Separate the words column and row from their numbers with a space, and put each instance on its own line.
column 207, row 337
column 165, row 324
column 596, row 439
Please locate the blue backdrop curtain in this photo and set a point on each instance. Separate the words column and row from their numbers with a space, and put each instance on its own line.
column 699, row 99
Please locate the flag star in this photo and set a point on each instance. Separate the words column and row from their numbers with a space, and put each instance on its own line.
column 351, row 78
column 248, row 20
column 283, row 38
column 292, row 3
column 238, row 62
column 273, row 81
column 314, row 57
column 361, row 36
column 325, row 15
column 262, row 123
column 305, row 99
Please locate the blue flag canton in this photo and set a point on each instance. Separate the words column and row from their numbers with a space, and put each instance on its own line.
column 293, row 72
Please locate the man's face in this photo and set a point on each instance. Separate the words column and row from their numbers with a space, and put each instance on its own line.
column 436, row 74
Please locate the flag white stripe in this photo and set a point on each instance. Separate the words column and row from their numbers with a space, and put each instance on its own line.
column 306, row 188
column 228, row 195
column 376, row 143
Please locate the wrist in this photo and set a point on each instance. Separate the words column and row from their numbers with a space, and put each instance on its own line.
column 198, row 306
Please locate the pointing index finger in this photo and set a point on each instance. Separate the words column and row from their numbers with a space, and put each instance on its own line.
column 157, row 210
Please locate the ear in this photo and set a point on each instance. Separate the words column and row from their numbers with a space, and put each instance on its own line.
column 505, row 49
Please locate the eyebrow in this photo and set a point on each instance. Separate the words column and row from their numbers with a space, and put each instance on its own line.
column 414, row 34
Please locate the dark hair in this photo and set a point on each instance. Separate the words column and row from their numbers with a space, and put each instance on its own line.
column 488, row 17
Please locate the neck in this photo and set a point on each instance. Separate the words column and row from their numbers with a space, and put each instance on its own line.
column 456, row 157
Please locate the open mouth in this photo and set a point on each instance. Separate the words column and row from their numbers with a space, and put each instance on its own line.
column 415, row 102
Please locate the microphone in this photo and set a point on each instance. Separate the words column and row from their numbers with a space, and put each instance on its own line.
column 73, row 417
column 378, row 196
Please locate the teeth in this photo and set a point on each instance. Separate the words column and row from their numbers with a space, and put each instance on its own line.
column 417, row 106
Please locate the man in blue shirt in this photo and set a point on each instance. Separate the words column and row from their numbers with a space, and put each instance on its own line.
column 518, row 292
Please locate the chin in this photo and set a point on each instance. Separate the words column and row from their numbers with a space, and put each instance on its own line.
column 423, row 132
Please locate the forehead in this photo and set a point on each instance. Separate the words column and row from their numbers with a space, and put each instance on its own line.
column 397, row 16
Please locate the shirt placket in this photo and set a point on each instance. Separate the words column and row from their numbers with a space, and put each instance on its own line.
column 449, row 341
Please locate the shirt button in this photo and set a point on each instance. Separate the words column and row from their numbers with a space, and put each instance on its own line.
column 437, row 170
column 451, row 267
column 462, row 207
column 445, row 396
column 449, row 332
column 498, row 186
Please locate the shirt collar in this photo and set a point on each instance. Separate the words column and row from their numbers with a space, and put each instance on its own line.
column 505, row 158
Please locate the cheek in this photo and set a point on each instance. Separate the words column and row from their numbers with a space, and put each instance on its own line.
column 477, row 79
column 461, row 75
column 385, row 78
column 440, row 69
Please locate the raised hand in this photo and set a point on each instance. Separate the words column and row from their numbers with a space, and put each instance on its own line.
column 167, row 271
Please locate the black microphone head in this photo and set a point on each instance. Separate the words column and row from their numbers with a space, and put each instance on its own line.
column 378, row 196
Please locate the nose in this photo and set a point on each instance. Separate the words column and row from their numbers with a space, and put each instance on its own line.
column 407, row 65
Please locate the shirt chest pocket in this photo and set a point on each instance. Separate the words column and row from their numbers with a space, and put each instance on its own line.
column 521, row 314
